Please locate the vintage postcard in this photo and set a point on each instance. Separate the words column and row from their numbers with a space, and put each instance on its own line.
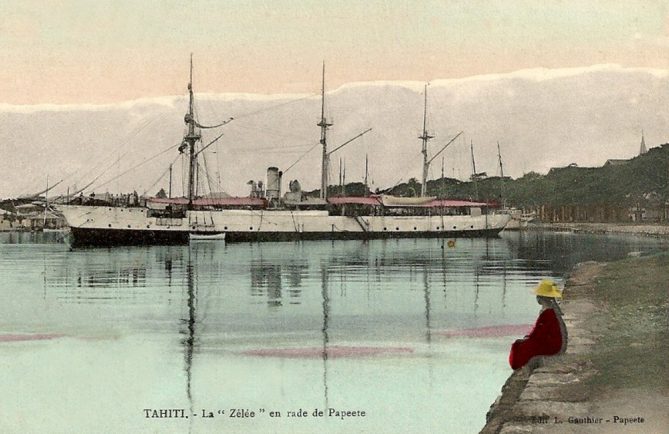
column 334, row 216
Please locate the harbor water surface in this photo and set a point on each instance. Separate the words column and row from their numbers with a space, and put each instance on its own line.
column 380, row 336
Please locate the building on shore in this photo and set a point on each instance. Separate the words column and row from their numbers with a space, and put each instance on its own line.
column 647, row 212
column 30, row 217
column 7, row 220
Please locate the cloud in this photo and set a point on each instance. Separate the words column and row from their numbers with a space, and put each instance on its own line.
column 542, row 118
column 652, row 40
column 532, row 74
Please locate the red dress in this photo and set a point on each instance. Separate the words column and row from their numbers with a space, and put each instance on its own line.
column 545, row 339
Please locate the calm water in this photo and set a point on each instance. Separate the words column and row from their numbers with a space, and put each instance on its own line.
column 412, row 332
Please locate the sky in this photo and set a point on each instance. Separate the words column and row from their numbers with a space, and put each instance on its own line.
column 85, row 51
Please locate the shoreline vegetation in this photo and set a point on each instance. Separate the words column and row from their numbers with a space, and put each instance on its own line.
column 614, row 376
column 619, row 191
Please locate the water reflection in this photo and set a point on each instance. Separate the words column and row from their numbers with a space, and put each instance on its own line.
column 324, row 329
column 188, row 329
column 126, row 277
column 426, row 293
column 393, row 326
column 474, row 279
column 267, row 279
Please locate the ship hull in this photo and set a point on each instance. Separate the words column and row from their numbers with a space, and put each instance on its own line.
column 294, row 236
column 125, row 237
column 109, row 226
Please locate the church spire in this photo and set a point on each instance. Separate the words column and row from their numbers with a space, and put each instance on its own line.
column 642, row 149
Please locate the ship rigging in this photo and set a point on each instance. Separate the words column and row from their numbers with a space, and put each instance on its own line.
column 267, row 215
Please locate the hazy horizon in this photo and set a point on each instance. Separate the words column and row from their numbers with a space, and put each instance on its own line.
column 542, row 118
column 76, row 51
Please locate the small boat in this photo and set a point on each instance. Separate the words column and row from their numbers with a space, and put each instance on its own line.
column 64, row 230
column 207, row 237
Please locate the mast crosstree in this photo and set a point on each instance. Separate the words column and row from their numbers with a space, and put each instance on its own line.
column 425, row 137
column 191, row 138
column 324, row 124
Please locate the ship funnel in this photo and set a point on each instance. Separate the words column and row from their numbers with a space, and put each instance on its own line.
column 273, row 186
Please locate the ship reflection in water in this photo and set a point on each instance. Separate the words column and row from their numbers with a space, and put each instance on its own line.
column 412, row 332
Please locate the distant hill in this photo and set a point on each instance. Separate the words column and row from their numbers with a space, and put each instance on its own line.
column 641, row 180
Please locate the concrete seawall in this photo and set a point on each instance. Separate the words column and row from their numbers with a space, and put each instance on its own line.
column 653, row 230
column 614, row 376
column 534, row 397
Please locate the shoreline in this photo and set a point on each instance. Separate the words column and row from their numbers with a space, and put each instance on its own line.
column 647, row 229
column 615, row 365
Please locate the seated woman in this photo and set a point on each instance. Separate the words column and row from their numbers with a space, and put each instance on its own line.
column 549, row 334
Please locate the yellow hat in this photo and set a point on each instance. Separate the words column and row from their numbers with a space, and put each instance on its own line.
column 548, row 288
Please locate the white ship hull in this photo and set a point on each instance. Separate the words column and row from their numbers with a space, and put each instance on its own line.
column 99, row 225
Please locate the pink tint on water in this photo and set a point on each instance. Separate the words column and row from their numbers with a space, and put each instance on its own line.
column 331, row 352
column 29, row 337
column 519, row 330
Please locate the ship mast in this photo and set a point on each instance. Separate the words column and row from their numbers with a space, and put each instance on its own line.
column 190, row 139
column 499, row 157
column 169, row 194
column 501, row 173
column 425, row 137
column 324, row 128
column 475, row 175
column 46, row 199
column 366, row 173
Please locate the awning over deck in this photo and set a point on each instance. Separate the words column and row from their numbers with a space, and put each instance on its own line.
column 354, row 200
column 404, row 202
column 452, row 203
